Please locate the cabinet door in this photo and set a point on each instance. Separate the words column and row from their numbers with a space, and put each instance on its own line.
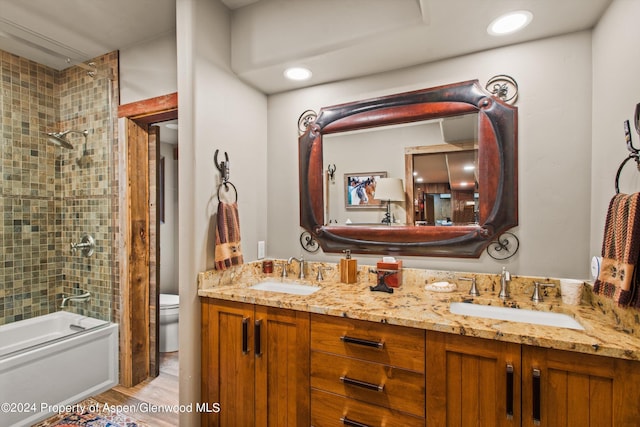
column 566, row 389
column 282, row 367
column 228, row 368
column 472, row 382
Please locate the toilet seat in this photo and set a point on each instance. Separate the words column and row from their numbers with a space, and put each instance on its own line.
column 169, row 301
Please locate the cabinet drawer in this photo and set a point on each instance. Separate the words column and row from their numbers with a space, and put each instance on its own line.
column 389, row 344
column 331, row 410
column 374, row 383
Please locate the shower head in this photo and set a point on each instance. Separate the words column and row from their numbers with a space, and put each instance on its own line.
column 59, row 138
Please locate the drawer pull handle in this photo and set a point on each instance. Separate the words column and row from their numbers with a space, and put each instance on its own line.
column 360, row 341
column 362, row 384
column 347, row 422
column 509, row 391
column 536, row 396
column 245, row 335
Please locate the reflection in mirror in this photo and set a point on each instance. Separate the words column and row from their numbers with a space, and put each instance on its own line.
column 445, row 185
column 434, row 157
column 366, row 156
column 445, row 188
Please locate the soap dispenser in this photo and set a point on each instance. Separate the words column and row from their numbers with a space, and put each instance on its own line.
column 348, row 268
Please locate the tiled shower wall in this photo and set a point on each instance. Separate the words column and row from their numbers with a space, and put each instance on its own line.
column 51, row 196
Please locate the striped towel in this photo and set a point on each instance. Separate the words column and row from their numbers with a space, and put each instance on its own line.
column 228, row 251
column 618, row 278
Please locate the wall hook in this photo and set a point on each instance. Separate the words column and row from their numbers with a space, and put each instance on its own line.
column 331, row 170
column 223, row 167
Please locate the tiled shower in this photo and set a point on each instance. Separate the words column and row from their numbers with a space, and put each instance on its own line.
column 51, row 196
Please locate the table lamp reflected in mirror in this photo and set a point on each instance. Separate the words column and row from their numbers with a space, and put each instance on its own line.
column 389, row 190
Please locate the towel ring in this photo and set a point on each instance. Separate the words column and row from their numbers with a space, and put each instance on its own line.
column 634, row 153
column 634, row 156
column 226, row 187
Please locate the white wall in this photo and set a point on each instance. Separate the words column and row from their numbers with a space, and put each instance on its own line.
column 616, row 91
column 554, row 76
column 148, row 69
column 217, row 111
column 169, row 228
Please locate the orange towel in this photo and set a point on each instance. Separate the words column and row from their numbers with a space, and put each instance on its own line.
column 228, row 250
column 620, row 251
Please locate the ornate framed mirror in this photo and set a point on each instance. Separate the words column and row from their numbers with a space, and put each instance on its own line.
column 487, row 149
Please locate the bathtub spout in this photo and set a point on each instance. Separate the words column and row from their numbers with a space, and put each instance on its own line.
column 77, row 298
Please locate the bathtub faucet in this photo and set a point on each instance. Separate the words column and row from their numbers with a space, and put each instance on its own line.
column 77, row 298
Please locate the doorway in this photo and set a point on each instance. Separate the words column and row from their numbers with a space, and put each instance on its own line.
column 165, row 155
column 139, row 270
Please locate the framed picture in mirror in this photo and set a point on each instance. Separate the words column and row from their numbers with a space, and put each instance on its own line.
column 360, row 189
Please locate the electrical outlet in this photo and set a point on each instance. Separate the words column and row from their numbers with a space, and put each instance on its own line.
column 261, row 247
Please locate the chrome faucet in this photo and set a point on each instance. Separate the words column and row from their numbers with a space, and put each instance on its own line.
column 84, row 297
column 300, row 262
column 505, row 278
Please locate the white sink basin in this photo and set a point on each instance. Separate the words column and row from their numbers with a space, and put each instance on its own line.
column 545, row 318
column 286, row 288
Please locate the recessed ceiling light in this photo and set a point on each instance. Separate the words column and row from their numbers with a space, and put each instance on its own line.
column 469, row 167
column 173, row 126
column 297, row 73
column 510, row 23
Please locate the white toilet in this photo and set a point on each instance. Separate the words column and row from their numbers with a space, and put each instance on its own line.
column 169, row 307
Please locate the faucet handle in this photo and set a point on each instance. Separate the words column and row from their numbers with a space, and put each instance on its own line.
column 537, row 296
column 284, row 269
column 473, row 291
column 319, row 275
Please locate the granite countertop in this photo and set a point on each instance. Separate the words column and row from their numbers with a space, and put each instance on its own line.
column 609, row 331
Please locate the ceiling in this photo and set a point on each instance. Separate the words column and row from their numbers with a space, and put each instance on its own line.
column 336, row 39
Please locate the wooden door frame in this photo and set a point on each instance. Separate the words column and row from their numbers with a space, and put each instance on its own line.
column 135, row 244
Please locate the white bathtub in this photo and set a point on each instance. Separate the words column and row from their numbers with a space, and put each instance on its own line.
column 56, row 359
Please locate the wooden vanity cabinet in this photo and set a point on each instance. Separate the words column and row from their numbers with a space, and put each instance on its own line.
column 566, row 389
column 481, row 382
column 275, row 367
column 366, row 374
column 472, row 381
column 255, row 364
